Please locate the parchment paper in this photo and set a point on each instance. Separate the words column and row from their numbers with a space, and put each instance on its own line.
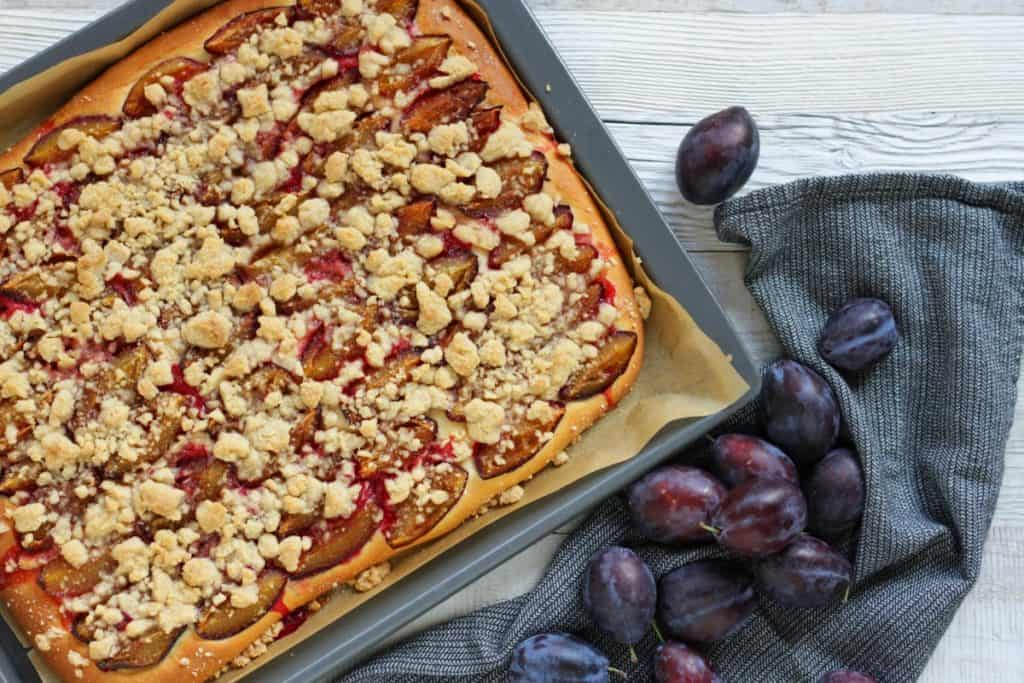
column 684, row 374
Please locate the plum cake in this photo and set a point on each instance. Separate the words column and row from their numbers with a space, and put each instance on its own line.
column 289, row 290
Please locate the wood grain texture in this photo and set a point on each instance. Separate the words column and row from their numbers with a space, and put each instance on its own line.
column 833, row 93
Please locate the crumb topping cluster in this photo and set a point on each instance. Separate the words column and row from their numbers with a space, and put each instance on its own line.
column 297, row 294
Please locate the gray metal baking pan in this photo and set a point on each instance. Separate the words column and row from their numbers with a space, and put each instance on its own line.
column 353, row 638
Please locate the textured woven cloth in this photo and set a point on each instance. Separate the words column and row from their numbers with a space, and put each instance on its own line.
column 930, row 424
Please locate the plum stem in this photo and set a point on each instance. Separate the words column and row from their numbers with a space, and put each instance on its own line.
column 657, row 632
column 632, row 655
column 617, row 672
column 709, row 438
column 846, row 594
column 714, row 531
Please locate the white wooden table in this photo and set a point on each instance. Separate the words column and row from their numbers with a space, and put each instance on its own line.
column 837, row 86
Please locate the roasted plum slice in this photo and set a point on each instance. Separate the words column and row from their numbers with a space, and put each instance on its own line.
column 21, row 477
column 414, row 219
column 423, row 429
column 414, row 63
column 48, row 151
column 587, row 306
column 268, row 378
column 348, row 38
column 320, row 360
column 296, row 522
column 36, row 285
column 417, row 515
column 338, row 540
column 526, row 438
column 396, row 370
column 580, row 261
column 402, row 10
column 460, row 267
column 180, row 69
column 225, row 620
column 161, row 434
column 122, row 373
column 231, row 35
column 485, row 122
column 204, row 478
column 598, row 373
column 443, row 106
column 60, row 579
column 10, row 417
column 509, row 248
column 364, row 131
column 320, row 8
column 519, row 178
column 12, row 177
column 146, row 650
column 303, row 431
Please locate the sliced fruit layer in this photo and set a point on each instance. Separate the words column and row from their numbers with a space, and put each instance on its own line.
column 461, row 267
column 178, row 69
column 143, row 651
column 60, row 579
column 527, row 437
column 603, row 369
column 415, row 517
column 414, row 64
column 232, row 34
column 48, row 151
column 226, row 620
column 519, row 178
column 443, row 106
column 414, row 219
column 339, row 540
column 403, row 10
column 12, row 177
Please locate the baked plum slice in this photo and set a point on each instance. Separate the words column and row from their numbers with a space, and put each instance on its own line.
column 509, row 248
column 138, row 653
column 16, row 477
column 443, row 106
column 519, row 178
column 36, row 286
column 598, row 373
column 485, row 122
column 402, row 10
column 414, row 219
column 10, row 417
column 417, row 515
column 180, row 69
column 414, row 64
column 12, row 177
column 203, row 478
column 303, row 431
column 60, row 579
column 225, row 620
column 48, row 151
column 423, row 429
column 580, row 261
column 266, row 379
column 122, row 372
column 232, row 34
column 161, row 434
column 526, row 437
column 460, row 267
column 587, row 306
column 338, row 540
column 396, row 370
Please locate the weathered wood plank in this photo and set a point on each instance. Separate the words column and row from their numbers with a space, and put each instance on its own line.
column 791, row 63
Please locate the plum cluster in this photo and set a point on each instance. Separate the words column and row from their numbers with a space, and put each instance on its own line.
column 758, row 498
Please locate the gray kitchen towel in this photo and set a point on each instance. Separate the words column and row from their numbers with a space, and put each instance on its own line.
column 930, row 424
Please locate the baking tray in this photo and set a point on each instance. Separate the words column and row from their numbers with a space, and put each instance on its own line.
column 350, row 640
